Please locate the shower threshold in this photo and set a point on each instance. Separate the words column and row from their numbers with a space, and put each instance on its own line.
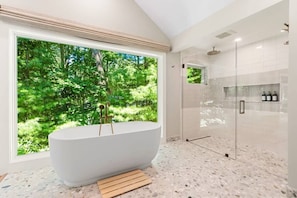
column 189, row 140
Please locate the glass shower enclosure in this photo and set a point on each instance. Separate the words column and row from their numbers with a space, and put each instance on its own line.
column 209, row 105
column 235, row 102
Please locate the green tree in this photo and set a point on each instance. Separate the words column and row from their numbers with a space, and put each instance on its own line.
column 63, row 85
column 194, row 75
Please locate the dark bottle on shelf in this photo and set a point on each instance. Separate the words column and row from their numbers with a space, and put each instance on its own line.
column 264, row 98
column 274, row 96
column 269, row 96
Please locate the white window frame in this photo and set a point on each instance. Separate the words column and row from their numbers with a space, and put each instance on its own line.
column 66, row 39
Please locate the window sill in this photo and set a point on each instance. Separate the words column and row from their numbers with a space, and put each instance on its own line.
column 29, row 157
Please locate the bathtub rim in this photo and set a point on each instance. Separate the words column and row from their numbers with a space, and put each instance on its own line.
column 56, row 133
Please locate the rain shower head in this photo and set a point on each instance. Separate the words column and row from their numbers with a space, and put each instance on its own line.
column 213, row 52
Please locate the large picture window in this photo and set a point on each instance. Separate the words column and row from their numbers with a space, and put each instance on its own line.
column 61, row 85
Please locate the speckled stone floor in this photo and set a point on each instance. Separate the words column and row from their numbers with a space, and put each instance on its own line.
column 180, row 170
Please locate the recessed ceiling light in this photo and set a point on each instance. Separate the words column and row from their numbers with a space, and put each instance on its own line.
column 237, row 39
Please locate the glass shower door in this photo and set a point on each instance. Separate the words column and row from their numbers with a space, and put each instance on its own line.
column 262, row 128
column 209, row 106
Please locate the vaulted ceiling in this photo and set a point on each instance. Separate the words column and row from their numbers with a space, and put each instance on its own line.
column 175, row 16
column 199, row 23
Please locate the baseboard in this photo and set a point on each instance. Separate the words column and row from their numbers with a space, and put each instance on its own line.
column 172, row 139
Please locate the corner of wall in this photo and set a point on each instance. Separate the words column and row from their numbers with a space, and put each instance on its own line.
column 292, row 106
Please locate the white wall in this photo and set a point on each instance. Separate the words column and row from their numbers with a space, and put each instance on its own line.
column 173, row 91
column 176, row 103
column 293, row 96
column 251, row 60
column 4, row 105
column 120, row 16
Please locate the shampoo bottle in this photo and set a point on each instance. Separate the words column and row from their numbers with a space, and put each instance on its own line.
column 274, row 96
column 264, row 96
column 269, row 96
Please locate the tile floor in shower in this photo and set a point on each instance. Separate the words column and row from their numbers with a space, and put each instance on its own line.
column 261, row 130
column 180, row 170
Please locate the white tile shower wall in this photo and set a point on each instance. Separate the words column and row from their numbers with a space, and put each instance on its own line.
column 273, row 55
column 191, row 123
column 260, row 63
column 195, row 56
column 192, row 95
column 267, row 65
column 251, row 86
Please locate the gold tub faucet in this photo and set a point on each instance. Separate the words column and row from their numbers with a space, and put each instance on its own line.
column 105, row 117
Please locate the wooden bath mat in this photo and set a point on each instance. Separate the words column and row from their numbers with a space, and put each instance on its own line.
column 122, row 183
column 2, row 177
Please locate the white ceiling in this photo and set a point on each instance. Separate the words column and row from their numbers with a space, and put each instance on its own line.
column 262, row 25
column 175, row 16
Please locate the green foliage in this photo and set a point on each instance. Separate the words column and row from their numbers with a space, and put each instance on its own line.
column 30, row 137
column 62, row 86
column 194, row 75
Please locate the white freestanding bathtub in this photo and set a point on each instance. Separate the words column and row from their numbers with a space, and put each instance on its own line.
column 80, row 157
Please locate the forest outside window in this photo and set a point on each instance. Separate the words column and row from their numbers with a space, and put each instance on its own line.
column 61, row 85
column 196, row 74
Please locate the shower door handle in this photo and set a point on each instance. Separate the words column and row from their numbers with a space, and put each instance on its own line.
column 241, row 107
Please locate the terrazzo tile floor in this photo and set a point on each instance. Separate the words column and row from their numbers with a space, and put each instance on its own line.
column 180, row 170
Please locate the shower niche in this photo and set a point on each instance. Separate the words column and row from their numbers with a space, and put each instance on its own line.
column 251, row 93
